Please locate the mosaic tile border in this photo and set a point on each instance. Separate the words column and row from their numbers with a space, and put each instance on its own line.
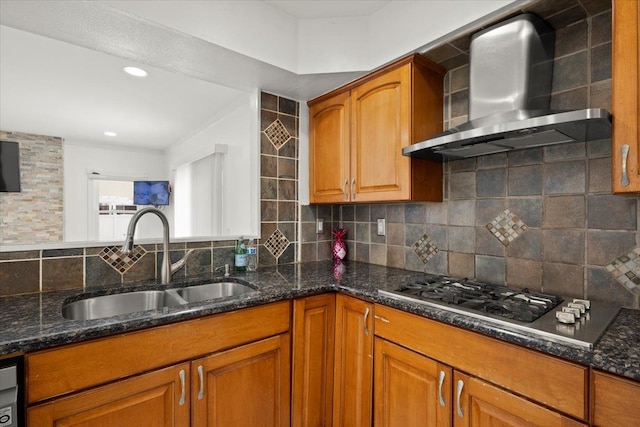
column 277, row 243
column 626, row 269
column 507, row 227
column 425, row 248
column 119, row 261
column 277, row 134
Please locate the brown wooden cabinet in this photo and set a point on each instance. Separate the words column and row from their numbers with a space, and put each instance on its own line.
column 409, row 388
column 615, row 401
column 625, row 96
column 245, row 386
column 312, row 362
column 357, row 132
column 511, row 378
column 156, row 399
column 478, row 403
column 121, row 380
column 353, row 373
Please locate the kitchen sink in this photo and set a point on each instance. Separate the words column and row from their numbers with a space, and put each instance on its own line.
column 213, row 291
column 138, row 301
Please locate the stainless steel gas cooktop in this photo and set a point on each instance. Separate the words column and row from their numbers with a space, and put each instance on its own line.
column 561, row 319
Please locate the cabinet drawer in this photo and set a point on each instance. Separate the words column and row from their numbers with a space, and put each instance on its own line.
column 616, row 401
column 75, row 367
column 545, row 379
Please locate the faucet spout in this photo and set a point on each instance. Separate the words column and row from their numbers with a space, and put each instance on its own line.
column 127, row 247
column 181, row 262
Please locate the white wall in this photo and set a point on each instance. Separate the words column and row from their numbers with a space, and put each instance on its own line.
column 237, row 130
column 79, row 161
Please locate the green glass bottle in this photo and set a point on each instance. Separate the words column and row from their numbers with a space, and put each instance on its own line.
column 240, row 253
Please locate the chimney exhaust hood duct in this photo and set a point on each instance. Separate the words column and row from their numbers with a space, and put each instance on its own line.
column 510, row 75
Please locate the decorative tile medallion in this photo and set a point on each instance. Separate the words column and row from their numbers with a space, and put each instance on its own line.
column 507, row 227
column 425, row 248
column 277, row 243
column 277, row 134
column 119, row 261
column 626, row 269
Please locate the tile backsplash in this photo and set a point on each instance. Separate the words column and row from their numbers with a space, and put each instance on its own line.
column 541, row 218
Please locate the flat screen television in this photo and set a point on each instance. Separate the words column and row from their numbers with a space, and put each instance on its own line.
column 9, row 166
column 154, row 193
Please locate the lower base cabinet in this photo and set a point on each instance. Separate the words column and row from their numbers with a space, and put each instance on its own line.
column 312, row 360
column 353, row 373
column 616, row 401
column 244, row 386
column 409, row 388
column 228, row 369
column 478, row 404
column 156, row 399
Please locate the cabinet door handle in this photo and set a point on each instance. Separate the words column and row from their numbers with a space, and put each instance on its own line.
column 201, row 377
column 625, row 176
column 346, row 195
column 440, row 382
column 366, row 315
column 458, row 394
column 353, row 194
column 184, row 391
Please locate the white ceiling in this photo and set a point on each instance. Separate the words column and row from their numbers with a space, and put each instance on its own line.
column 323, row 9
column 61, row 61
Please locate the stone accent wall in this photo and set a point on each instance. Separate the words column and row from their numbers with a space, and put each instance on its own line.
column 34, row 215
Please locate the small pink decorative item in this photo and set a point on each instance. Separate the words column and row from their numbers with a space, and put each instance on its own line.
column 339, row 247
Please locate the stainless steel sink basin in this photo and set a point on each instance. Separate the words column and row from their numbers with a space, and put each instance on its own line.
column 114, row 305
column 213, row 291
column 138, row 301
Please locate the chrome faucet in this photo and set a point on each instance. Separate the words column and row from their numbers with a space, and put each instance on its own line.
column 167, row 269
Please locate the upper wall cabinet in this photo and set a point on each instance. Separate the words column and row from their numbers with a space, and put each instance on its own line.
column 626, row 96
column 357, row 132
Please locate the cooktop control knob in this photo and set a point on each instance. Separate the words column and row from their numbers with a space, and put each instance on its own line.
column 565, row 317
column 573, row 310
column 585, row 302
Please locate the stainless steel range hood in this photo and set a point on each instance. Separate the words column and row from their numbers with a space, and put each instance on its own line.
column 511, row 69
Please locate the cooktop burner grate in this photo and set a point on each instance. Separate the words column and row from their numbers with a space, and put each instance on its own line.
column 522, row 305
column 553, row 317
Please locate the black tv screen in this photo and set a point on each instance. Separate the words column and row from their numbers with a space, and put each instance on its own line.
column 151, row 193
column 9, row 166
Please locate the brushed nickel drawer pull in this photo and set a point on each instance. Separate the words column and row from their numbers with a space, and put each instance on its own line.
column 182, row 395
column 382, row 319
column 625, row 176
column 346, row 195
column 458, row 394
column 353, row 194
column 440, row 382
column 201, row 377
column 366, row 315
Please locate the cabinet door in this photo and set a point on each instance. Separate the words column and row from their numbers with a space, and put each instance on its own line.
column 409, row 389
column 329, row 150
column 244, row 386
column 625, row 95
column 313, row 352
column 616, row 401
column 477, row 404
column 353, row 363
column 380, row 128
column 156, row 399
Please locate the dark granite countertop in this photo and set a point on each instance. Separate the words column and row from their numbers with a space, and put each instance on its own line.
column 34, row 322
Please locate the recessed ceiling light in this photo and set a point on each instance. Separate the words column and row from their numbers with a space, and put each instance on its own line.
column 135, row 71
column 109, row 133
